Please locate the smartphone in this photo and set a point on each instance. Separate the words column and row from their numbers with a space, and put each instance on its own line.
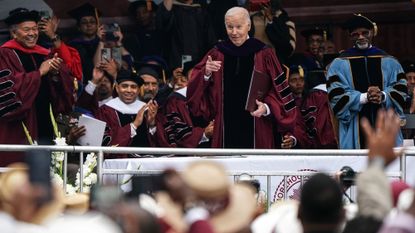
column 186, row 58
column 116, row 55
column 109, row 32
column 39, row 162
column 44, row 14
column 106, row 54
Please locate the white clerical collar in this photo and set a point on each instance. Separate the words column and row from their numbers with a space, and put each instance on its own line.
column 120, row 106
column 321, row 87
column 182, row 91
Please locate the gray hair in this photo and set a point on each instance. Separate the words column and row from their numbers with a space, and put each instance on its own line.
column 237, row 10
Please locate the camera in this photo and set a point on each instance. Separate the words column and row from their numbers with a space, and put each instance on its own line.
column 109, row 32
column 347, row 176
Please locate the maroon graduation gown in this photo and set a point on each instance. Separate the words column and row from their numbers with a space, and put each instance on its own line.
column 19, row 89
column 176, row 129
column 318, row 120
column 205, row 99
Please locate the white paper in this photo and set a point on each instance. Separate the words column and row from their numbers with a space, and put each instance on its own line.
column 94, row 131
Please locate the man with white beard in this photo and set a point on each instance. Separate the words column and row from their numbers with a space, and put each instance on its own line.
column 362, row 80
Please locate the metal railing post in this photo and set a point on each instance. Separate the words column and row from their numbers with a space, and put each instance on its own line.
column 65, row 170
column 268, row 191
column 402, row 161
column 100, row 160
column 81, row 172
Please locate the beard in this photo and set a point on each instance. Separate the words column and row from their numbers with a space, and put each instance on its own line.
column 147, row 96
column 362, row 44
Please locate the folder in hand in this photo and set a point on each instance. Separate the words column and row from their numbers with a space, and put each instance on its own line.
column 94, row 132
column 258, row 89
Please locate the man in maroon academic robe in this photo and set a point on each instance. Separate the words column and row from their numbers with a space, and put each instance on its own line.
column 31, row 79
column 129, row 120
column 220, row 84
column 176, row 127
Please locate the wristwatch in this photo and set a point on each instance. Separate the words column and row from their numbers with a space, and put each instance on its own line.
column 55, row 38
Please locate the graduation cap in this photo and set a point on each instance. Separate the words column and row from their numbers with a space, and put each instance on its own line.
column 408, row 66
column 20, row 15
column 149, row 4
column 154, row 59
column 84, row 10
column 315, row 31
column 296, row 69
column 127, row 75
column 360, row 21
column 141, row 68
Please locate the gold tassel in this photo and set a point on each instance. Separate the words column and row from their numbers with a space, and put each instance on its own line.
column 75, row 84
column 301, row 71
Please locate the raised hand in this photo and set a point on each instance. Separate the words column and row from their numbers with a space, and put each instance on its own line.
column 140, row 116
column 152, row 112
column 97, row 75
column 381, row 140
column 212, row 66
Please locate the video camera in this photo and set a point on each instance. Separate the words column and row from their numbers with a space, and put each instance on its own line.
column 347, row 176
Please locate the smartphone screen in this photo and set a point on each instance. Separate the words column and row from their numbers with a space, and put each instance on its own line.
column 186, row 58
column 106, row 54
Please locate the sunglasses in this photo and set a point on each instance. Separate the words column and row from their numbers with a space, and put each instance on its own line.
column 356, row 35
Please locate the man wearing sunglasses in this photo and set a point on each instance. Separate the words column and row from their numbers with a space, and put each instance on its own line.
column 362, row 80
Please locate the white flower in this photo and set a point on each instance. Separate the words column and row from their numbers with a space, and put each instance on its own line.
column 93, row 177
column 57, row 179
column 60, row 141
column 86, row 189
column 59, row 156
column 70, row 190
column 87, row 181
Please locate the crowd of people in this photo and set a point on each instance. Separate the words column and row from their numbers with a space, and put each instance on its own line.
column 178, row 81
column 202, row 199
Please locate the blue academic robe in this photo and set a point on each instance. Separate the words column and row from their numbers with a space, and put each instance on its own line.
column 349, row 76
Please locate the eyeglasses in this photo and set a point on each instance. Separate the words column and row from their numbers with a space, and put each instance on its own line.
column 356, row 35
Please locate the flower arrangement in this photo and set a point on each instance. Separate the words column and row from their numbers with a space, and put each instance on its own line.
column 89, row 176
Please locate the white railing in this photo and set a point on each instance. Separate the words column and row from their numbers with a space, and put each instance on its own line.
column 193, row 152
